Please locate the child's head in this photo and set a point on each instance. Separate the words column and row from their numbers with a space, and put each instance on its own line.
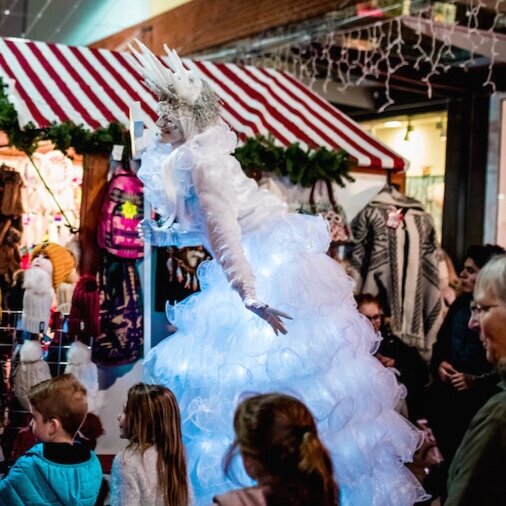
column 151, row 418
column 150, row 412
column 59, row 407
column 277, row 437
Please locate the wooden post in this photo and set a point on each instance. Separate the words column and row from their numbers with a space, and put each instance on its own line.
column 95, row 169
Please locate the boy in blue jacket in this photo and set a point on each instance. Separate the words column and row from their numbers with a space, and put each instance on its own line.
column 55, row 471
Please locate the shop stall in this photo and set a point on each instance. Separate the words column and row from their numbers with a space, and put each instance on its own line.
column 81, row 98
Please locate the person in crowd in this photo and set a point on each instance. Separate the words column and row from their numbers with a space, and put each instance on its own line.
column 461, row 372
column 277, row 438
column 393, row 352
column 477, row 472
column 55, row 471
column 152, row 468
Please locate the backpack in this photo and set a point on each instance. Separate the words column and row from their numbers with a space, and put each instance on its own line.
column 122, row 210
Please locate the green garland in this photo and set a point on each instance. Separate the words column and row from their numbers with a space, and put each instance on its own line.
column 257, row 155
column 305, row 167
column 62, row 135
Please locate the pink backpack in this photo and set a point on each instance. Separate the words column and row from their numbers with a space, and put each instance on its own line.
column 122, row 210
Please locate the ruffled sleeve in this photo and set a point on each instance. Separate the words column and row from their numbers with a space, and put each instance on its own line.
column 218, row 200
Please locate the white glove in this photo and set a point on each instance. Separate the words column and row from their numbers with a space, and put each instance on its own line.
column 168, row 234
column 157, row 236
column 269, row 314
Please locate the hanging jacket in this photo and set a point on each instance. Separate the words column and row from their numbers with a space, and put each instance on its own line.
column 395, row 257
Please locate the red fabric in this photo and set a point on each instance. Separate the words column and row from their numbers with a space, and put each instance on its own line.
column 23, row 441
column 84, row 315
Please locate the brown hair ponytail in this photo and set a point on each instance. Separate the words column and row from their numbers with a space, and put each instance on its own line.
column 278, row 433
column 315, row 463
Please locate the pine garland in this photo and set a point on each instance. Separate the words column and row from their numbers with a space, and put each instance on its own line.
column 63, row 135
column 305, row 167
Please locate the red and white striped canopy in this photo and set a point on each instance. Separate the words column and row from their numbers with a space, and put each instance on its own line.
column 95, row 87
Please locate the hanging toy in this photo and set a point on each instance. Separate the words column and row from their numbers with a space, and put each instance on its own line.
column 395, row 217
column 179, row 274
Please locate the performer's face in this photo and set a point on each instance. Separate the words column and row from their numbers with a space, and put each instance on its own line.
column 170, row 130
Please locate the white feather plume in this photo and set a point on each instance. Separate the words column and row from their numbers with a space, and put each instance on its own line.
column 174, row 80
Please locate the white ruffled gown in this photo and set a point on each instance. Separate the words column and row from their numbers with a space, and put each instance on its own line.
column 221, row 350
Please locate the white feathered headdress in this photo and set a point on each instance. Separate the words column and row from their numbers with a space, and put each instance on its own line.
column 181, row 92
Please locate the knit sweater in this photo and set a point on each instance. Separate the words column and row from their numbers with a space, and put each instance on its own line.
column 134, row 478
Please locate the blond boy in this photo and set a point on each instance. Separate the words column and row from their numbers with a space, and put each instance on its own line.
column 55, row 471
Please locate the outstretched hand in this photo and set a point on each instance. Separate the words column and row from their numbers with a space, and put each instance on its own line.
column 269, row 314
column 144, row 229
column 149, row 230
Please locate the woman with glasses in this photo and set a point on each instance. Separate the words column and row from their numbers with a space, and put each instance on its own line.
column 478, row 470
column 461, row 380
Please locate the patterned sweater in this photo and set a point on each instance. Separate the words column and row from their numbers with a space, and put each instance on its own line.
column 134, row 478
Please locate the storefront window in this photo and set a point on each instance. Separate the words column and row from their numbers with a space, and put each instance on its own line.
column 421, row 139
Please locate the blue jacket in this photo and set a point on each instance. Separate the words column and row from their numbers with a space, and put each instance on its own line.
column 37, row 481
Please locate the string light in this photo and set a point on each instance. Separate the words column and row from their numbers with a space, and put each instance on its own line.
column 385, row 52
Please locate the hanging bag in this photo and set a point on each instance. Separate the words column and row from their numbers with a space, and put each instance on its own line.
column 122, row 210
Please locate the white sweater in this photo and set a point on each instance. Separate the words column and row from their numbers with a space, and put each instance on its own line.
column 134, row 478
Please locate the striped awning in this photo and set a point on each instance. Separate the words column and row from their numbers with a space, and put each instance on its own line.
column 94, row 87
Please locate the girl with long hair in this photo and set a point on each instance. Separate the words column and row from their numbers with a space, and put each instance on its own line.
column 152, row 468
column 277, row 438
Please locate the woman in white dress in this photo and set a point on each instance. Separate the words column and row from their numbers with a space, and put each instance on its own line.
column 230, row 339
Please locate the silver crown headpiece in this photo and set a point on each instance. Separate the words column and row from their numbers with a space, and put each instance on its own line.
column 180, row 91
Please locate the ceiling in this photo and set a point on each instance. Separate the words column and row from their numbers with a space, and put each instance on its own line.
column 75, row 22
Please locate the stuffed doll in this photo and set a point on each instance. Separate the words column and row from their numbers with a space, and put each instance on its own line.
column 51, row 265
column 30, row 371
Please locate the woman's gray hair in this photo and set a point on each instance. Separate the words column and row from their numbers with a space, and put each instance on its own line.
column 491, row 280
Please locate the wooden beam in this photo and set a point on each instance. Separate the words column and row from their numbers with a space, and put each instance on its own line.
column 95, row 169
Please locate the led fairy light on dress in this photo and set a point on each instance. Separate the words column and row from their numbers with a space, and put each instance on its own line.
column 181, row 92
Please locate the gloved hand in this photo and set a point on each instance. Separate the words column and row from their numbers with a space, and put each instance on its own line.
column 269, row 314
column 149, row 230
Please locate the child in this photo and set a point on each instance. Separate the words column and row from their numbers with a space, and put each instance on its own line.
column 278, row 441
column 55, row 471
column 152, row 468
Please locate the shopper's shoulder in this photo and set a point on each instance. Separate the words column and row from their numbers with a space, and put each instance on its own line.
column 35, row 452
column 252, row 496
column 133, row 456
column 496, row 407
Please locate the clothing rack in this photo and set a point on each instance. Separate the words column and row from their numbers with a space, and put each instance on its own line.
column 55, row 341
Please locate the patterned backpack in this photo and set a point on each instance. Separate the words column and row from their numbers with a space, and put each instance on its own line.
column 122, row 210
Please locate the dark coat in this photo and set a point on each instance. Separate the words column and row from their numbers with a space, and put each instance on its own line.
column 477, row 474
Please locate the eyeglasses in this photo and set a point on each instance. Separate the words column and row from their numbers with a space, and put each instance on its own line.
column 478, row 309
column 373, row 317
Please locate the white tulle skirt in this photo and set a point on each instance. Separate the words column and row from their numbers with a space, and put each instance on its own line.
column 222, row 351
